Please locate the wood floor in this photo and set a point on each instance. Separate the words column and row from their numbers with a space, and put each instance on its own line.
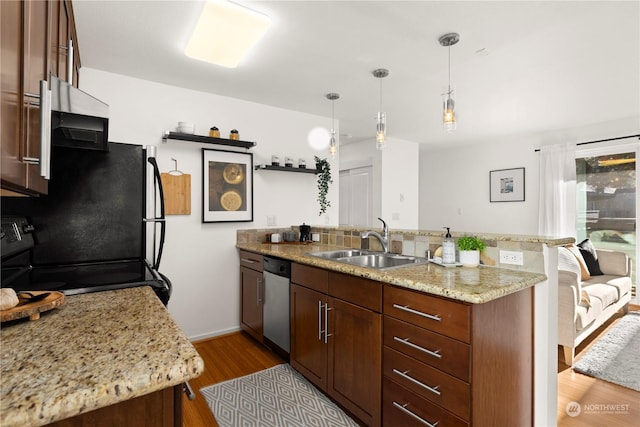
column 236, row 355
column 225, row 357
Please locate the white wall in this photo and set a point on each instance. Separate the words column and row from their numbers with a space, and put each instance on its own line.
column 395, row 179
column 200, row 258
column 400, row 184
column 454, row 182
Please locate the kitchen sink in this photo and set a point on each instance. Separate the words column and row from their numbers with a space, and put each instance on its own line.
column 344, row 253
column 383, row 261
column 370, row 259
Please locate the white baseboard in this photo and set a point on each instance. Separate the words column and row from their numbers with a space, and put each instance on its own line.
column 213, row 334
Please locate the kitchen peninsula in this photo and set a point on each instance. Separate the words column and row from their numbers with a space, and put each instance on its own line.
column 102, row 357
column 445, row 345
column 472, row 285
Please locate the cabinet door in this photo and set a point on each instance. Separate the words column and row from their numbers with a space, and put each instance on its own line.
column 355, row 359
column 35, row 69
column 13, row 169
column 62, row 31
column 308, row 353
column 252, row 301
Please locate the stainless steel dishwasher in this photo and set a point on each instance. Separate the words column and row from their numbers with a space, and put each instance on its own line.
column 277, row 274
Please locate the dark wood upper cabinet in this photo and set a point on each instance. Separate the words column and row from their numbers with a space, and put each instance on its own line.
column 35, row 36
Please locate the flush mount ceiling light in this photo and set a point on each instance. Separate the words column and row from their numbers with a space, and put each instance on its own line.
column 225, row 33
column 333, row 145
column 381, row 118
column 449, row 113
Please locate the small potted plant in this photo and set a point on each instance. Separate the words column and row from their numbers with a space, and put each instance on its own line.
column 469, row 248
column 324, row 179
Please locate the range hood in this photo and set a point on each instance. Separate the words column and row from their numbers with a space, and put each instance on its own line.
column 78, row 119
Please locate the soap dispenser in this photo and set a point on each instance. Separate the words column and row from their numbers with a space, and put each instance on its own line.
column 448, row 249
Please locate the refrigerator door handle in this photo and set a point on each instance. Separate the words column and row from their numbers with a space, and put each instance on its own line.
column 160, row 219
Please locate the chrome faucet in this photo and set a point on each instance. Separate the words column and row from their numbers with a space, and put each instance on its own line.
column 383, row 239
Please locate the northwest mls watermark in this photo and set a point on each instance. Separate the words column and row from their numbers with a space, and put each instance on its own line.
column 573, row 409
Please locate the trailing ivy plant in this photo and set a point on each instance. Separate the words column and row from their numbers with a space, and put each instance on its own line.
column 324, row 179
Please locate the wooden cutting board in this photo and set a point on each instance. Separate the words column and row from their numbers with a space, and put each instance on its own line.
column 177, row 193
column 32, row 310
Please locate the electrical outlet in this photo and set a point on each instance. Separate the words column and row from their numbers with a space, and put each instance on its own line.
column 271, row 220
column 511, row 257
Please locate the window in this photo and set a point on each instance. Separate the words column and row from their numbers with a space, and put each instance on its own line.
column 607, row 201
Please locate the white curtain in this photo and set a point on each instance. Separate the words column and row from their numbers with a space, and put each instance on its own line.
column 557, row 212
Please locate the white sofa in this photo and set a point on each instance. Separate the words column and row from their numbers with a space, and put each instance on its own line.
column 585, row 303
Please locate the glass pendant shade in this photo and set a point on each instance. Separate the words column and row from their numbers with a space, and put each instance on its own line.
column 449, row 112
column 381, row 130
column 333, row 148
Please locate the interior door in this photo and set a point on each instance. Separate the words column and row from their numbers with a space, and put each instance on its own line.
column 356, row 199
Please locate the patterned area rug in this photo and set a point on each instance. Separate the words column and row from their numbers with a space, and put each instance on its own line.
column 278, row 396
column 615, row 356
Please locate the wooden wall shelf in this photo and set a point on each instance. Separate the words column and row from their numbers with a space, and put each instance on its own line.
column 206, row 139
column 285, row 169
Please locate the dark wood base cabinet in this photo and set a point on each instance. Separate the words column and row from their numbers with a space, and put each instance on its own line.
column 162, row 408
column 336, row 337
column 449, row 363
column 251, row 294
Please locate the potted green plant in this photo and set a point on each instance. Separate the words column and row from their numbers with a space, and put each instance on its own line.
column 324, row 179
column 469, row 248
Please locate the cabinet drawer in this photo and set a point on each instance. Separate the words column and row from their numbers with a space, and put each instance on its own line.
column 428, row 382
column 356, row 290
column 251, row 260
column 446, row 317
column 401, row 407
column 436, row 350
column 310, row 277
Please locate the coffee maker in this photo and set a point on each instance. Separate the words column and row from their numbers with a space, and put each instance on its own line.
column 305, row 233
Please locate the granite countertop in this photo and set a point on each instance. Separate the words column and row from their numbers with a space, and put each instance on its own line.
column 96, row 350
column 473, row 285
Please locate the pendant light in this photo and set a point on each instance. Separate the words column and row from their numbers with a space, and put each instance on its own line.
column 449, row 104
column 381, row 118
column 333, row 145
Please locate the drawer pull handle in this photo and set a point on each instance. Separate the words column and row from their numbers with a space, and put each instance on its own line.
column 404, row 409
column 250, row 261
column 406, row 341
column 419, row 313
column 404, row 375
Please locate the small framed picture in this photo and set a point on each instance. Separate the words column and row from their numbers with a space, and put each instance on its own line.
column 227, row 187
column 506, row 185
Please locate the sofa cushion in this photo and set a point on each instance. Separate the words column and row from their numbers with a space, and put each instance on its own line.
column 584, row 270
column 605, row 293
column 568, row 262
column 621, row 284
column 586, row 315
column 590, row 256
column 614, row 263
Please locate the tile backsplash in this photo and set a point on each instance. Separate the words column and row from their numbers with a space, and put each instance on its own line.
column 422, row 243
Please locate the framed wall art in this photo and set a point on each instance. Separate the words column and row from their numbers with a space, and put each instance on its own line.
column 227, row 186
column 506, row 185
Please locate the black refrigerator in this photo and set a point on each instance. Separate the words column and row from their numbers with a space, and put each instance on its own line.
column 100, row 227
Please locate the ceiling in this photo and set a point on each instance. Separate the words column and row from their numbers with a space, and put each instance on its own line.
column 520, row 67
